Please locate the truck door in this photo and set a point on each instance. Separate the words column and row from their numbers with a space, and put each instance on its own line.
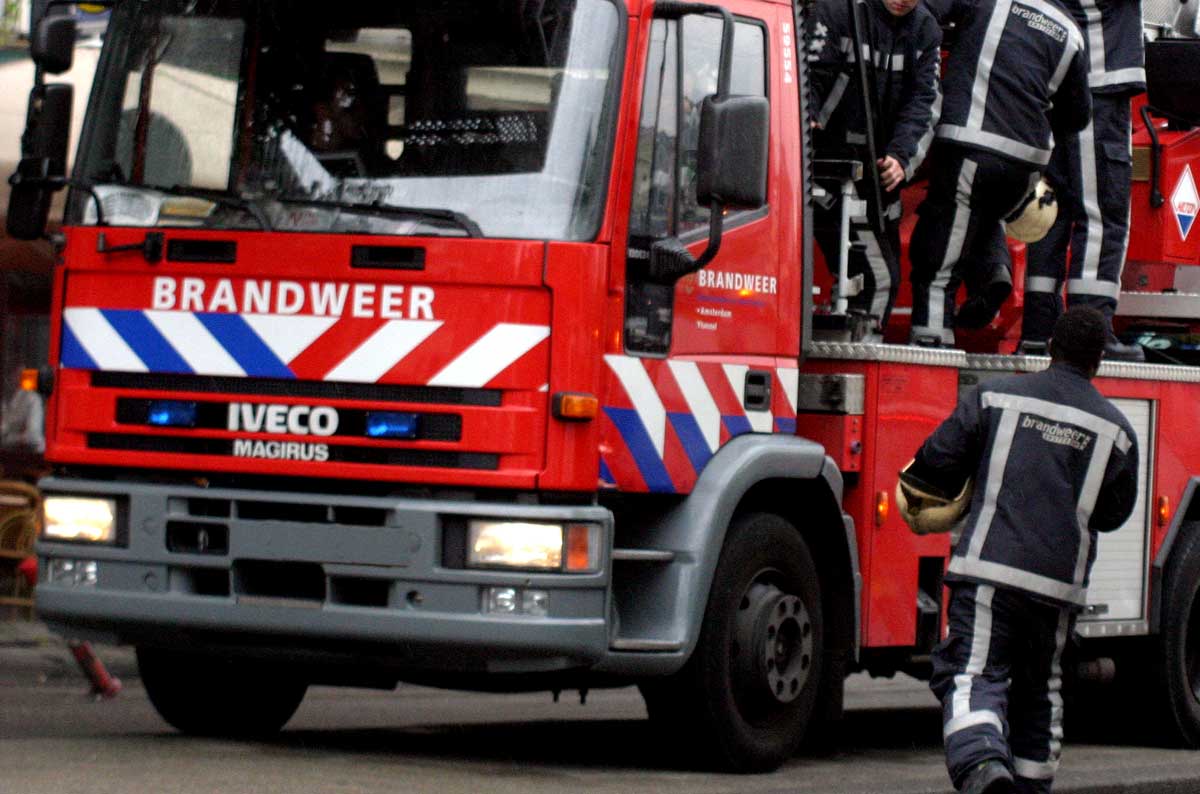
column 732, row 306
column 713, row 355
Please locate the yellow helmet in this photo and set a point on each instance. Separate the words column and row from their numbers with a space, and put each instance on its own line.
column 1033, row 219
column 927, row 513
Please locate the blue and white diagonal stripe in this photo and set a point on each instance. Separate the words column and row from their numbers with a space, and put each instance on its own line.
column 185, row 342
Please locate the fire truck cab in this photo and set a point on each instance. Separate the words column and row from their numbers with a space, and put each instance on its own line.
column 470, row 344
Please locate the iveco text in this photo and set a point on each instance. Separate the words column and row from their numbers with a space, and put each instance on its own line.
column 296, row 420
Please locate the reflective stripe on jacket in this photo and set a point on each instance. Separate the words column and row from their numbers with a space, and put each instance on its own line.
column 1113, row 34
column 1016, row 77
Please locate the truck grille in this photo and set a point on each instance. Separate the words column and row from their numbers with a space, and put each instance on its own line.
column 351, row 422
column 282, row 387
column 337, row 453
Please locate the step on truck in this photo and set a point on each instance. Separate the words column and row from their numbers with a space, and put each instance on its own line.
column 471, row 345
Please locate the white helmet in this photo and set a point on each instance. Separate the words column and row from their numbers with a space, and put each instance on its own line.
column 1033, row 219
column 927, row 513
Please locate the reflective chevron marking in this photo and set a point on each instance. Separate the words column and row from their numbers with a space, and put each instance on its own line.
column 386, row 348
column 266, row 345
column 101, row 341
column 490, row 355
column 669, row 417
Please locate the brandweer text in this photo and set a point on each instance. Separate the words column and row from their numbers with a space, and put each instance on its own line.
column 318, row 298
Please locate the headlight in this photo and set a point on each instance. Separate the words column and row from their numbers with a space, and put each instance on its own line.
column 514, row 544
column 73, row 518
column 574, row 548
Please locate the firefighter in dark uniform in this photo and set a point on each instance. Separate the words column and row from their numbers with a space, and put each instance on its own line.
column 1091, row 173
column 1016, row 74
column 1053, row 462
column 903, row 43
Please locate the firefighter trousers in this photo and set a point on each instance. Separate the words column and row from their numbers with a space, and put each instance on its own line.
column 959, row 235
column 878, row 264
column 998, row 674
column 1091, row 175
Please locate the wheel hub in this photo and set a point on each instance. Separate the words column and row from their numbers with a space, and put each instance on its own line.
column 773, row 643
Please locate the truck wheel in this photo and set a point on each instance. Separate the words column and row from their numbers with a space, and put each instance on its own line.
column 213, row 696
column 744, row 698
column 1180, row 636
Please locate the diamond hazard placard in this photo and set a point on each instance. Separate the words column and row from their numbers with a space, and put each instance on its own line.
column 1185, row 201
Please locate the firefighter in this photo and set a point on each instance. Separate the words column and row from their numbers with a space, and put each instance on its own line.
column 340, row 117
column 21, row 416
column 903, row 43
column 1091, row 173
column 1053, row 462
column 1016, row 72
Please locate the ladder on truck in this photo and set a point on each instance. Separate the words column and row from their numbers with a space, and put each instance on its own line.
column 834, row 180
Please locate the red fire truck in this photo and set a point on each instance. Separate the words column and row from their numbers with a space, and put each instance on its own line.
column 470, row 344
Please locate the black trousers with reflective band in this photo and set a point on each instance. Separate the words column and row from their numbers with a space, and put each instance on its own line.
column 878, row 264
column 1091, row 174
column 998, row 674
column 959, row 236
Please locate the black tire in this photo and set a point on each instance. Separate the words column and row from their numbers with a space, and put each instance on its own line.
column 1180, row 636
column 739, row 708
column 216, row 696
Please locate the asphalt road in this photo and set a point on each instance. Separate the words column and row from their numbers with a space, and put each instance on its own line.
column 55, row 739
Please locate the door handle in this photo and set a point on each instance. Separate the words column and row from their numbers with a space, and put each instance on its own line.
column 756, row 396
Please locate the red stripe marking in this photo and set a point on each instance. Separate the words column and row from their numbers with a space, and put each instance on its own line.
column 729, row 403
column 677, row 462
column 439, row 349
column 529, row 371
column 618, row 458
column 332, row 347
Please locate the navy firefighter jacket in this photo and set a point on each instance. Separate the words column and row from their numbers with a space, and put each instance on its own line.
column 1112, row 31
column 905, row 52
column 1053, row 463
column 1017, row 76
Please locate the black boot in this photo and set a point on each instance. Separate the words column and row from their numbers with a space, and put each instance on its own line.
column 989, row 777
column 1116, row 350
column 1032, row 347
column 1042, row 309
column 981, row 308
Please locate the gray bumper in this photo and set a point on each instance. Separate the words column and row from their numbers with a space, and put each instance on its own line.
column 386, row 584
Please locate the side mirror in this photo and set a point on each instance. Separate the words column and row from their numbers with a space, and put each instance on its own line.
column 731, row 157
column 731, row 164
column 43, row 167
column 732, row 152
column 53, row 44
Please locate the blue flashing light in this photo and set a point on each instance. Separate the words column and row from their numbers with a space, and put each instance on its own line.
column 391, row 424
column 171, row 413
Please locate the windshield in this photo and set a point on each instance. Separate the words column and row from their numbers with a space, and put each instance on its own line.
column 448, row 117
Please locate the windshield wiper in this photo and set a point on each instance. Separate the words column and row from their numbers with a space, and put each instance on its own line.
column 459, row 219
column 249, row 206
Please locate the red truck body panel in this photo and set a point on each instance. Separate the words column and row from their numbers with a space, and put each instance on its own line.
column 522, row 321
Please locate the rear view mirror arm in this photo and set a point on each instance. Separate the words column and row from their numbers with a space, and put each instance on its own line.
column 57, row 183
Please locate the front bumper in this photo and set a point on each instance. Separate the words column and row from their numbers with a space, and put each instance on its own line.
column 369, row 573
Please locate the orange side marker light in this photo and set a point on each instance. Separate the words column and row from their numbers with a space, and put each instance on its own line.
column 575, row 406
